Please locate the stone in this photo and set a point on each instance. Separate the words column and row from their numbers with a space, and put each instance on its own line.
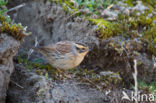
column 8, row 48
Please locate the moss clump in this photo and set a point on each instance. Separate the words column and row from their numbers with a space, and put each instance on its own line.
column 22, row 59
column 136, row 25
column 150, row 37
column 130, row 2
column 140, row 26
column 105, row 29
column 67, row 5
column 133, row 26
column 145, row 2
column 41, row 69
column 149, row 2
column 6, row 26
column 149, row 88
column 2, row 18
column 15, row 30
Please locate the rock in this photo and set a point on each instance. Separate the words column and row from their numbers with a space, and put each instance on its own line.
column 38, row 89
column 140, row 7
column 8, row 48
column 49, row 21
column 110, row 74
column 117, row 55
column 109, row 14
column 35, row 89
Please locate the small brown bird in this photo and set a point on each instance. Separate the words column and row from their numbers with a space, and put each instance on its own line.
column 65, row 54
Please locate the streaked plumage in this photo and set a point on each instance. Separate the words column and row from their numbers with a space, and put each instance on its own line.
column 64, row 54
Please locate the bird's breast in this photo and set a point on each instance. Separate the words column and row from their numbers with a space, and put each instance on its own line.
column 78, row 60
column 67, row 61
column 63, row 62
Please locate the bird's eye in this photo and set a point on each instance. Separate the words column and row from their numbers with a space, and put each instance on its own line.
column 80, row 50
column 83, row 49
column 77, row 48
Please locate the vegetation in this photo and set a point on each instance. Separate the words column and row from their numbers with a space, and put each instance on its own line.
column 109, row 80
column 148, row 88
column 15, row 30
column 106, row 29
column 94, row 5
column 2, row 4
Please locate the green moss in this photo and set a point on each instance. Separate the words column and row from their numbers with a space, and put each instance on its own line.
column 105, row 28
column 2, row 18
column 6, row 26
column 150, row 37
column 41, row 69
column 67, row 5
column 145, row 2
column 155, row 40
column 129, row 2
column 150, row 88
column 149, row 2
column 22, row 59
column 14, row 30
column 136, row 22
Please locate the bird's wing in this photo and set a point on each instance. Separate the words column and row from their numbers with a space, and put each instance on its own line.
column 64, row 47
column 47, row 49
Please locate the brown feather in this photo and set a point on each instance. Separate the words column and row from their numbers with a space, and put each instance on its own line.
column 64, row 47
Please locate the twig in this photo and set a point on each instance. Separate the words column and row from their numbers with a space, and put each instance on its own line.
column 110, row 6
column 135, row 80
column 15, row 8
column 16, row 84
column 32, row 50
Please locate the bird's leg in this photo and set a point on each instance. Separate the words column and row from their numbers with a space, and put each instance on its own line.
column 63, row 74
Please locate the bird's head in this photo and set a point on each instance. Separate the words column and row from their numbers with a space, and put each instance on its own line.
column 81, row 49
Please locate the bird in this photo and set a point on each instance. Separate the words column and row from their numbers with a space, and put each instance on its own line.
column 64, row 55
